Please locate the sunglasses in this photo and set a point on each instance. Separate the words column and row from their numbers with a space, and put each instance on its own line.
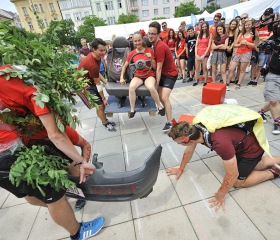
column 163, row 25
column 243, row 18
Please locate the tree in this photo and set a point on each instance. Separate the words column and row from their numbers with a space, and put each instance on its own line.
column 212, row 7
column 87, row 29
column 186, row 9
column 130, row 18
column 65, row 32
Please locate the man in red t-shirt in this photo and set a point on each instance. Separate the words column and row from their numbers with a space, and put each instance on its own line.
column 166, row 71
column 92, row 64
column 16, row 96
column 242, row 156
column 164, row 33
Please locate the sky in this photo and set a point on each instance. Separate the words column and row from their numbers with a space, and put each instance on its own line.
column 7, row 5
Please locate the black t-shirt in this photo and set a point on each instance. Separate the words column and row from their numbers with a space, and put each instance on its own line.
column 191, row 41
column 274, row 64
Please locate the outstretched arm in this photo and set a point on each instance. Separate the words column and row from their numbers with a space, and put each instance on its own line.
column 187, row 156
column 228, row 182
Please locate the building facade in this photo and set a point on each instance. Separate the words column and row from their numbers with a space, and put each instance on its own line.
column 46, row 10
column 149, row 9
column 107, row 10
column 75, row 10
column 13, row 17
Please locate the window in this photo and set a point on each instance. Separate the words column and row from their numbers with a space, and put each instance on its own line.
column 109, row 5
column 77, row 16
column 85, row 3
column 98, row 7
column 165, row 1
column 64, row 5
column 52, row 7
column 155, row 2
column 144, row 2
column 135, row 12
column 30, row 25
column 41, row 8
column 119, row 3
column 133, row 3
column 46, row 23
column 36, row 8
column 166, row 10
column 156, row 11
column 24, row 11
column 74, row 3
column 111, row 20
column 145, row 13
column 67, row 16
column 86, row 13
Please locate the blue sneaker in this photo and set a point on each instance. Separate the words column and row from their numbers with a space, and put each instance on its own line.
column 167, row 127
column 91, row 228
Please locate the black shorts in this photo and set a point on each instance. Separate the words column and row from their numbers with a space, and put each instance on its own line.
column 167, row 81
column 247, row 165
column 93, row 91
column 23, row 190
column 191, row 63
column 182, row 57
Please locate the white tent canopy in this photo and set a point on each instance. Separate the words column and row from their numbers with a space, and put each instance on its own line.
column 255, row 8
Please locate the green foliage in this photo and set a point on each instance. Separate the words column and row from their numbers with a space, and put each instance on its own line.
column 212, row 7
column 186, row 9
column 64, row 31
column 87, row 29
column 158, row 18
column 48, row 70
column 39, row 169
column 130, row 18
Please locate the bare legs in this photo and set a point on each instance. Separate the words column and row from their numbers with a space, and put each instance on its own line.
column 60, row 211
column 164, row 94
column 260, row 173
column 150, row 83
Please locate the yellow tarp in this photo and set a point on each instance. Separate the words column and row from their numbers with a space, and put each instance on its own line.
column 224, row 115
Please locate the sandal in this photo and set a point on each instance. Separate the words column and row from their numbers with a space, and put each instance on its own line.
column 237, row 86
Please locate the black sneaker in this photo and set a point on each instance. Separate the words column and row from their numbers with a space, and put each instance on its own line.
column 276, row 129
column 109, row 127
column 194, row 84
column 131, row 114
column 190, row 79
column 161, row 112
column 250, row 83
column 112, row 123
column 204, row 84
column 167, row 127
column 184, row 80
column 80, row 203
column 264, row 116
column 254, row 83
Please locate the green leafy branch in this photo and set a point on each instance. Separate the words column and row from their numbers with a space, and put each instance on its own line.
column 39, row 169
column 50, row 71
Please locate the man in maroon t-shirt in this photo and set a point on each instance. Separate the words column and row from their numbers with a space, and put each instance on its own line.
column 242, row 156
column 166, row 71
column 92, row 64
column 85, row 50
